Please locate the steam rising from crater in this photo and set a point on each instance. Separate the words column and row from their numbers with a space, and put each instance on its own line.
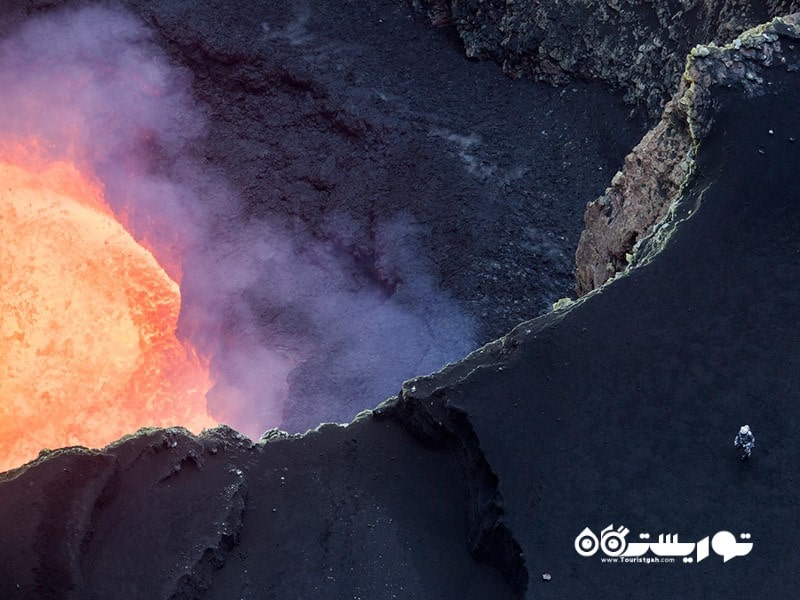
column 296, row 332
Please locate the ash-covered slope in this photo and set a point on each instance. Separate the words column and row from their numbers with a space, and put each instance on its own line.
column 363, row 511
column 474, row 482
column 620, row 409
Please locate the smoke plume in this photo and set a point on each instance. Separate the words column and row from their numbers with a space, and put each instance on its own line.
column 297, row 330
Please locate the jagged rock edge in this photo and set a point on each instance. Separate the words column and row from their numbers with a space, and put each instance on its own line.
column 491, row 541
column 436, row 423
column 200, row 578
column 616, row 227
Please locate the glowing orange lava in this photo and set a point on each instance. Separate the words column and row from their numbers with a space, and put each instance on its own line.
column 88, row 350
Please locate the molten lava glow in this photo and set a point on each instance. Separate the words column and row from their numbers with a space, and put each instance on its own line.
column 88, row 351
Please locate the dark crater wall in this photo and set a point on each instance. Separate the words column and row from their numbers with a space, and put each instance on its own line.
column 358, row 131
column 638, row 46
column 473, row 482
column 334, row 118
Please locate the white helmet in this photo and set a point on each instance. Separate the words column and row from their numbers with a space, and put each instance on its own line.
column 745, row 429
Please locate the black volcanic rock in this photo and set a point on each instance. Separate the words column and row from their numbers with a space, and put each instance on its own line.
column 362, row 511
column 620, row 408
column 638, row 46
column 329, row 122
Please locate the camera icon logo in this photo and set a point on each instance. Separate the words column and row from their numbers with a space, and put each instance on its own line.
column 612, row 542
column 586, row 544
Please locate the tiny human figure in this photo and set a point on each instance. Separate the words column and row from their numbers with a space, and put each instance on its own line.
column 745, row 440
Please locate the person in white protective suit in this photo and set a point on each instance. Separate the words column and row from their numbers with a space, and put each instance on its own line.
column 745, row 440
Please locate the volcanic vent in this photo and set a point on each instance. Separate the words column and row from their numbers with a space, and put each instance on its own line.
column 108, row 205
column 89, row 351
column 92, row 117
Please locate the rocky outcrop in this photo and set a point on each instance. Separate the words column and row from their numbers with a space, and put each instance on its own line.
column 82, row 517
column 567, row 422
column 639, row 197
column 641, row 194
column 439, row 424
column 637, row 46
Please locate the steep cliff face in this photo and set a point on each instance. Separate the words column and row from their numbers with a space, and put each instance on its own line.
column 473, row 482
column 637, row 46
column 614, row 409
column 638, row 199
column 640, row 48
column 642, row 193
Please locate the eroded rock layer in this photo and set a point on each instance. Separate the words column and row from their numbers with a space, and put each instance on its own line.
column 641, row 194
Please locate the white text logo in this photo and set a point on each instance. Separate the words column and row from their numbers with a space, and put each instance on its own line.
column 614, row 545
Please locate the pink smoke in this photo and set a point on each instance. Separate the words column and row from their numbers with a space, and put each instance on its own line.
column 93, row 86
